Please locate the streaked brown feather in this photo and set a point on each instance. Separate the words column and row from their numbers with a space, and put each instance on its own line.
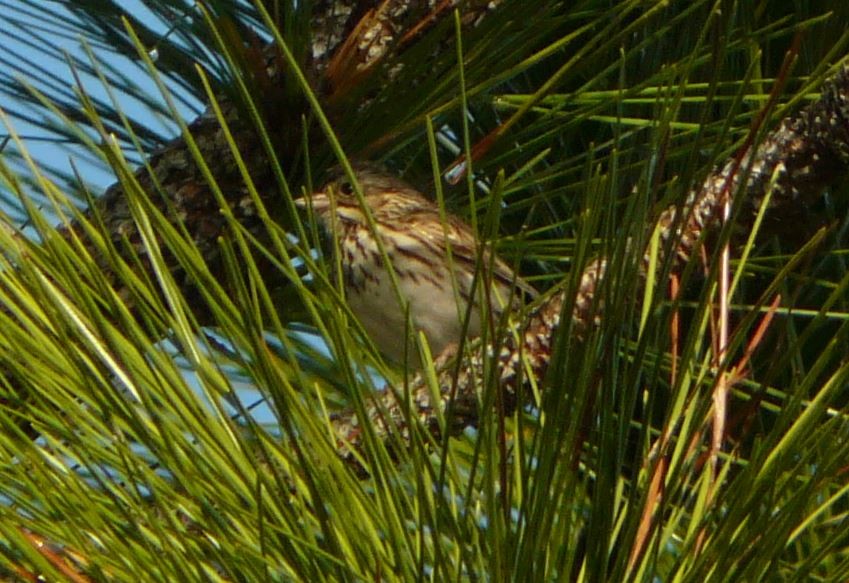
column 416, row 237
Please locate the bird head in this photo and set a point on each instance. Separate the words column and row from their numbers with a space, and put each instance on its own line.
column 386, row 195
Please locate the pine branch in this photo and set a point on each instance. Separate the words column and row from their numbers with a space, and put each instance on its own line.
column 343, row 48
column 807, row 152
column 350, row 40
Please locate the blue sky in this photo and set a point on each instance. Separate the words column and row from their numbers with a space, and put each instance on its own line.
column 49, row 71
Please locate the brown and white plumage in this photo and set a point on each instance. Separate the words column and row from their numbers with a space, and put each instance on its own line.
column 416, row 239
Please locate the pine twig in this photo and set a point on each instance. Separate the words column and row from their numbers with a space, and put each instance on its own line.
column 805, row 153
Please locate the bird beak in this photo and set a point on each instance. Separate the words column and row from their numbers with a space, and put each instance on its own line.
column 318, row 201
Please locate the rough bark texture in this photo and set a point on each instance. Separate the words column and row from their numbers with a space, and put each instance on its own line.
column 178, row 187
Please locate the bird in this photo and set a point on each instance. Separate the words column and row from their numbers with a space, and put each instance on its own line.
column 437, row 260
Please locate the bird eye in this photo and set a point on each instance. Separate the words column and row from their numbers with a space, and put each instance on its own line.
column 346, row 188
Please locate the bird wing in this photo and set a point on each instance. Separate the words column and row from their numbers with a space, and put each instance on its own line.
column 464, row 249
